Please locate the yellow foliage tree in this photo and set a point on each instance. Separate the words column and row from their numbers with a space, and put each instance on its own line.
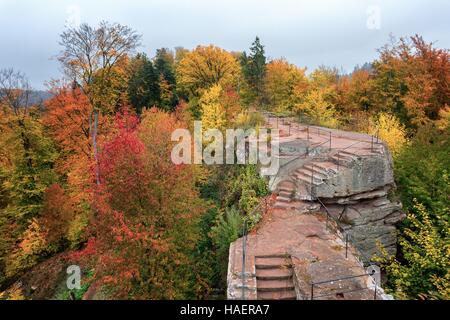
column 213, row 112
column 390, row 130
column 444, row 118
column 284, row 83
column 317, row 109
column 426, row 250
column 206, row 66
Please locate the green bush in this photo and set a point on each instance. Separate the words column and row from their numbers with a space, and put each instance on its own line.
column 422, row 268
column 227, row 229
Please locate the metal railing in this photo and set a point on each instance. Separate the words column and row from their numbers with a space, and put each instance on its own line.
column 374, row 139
column 244, row 248
column 346, row 238
column 244, row 243
column 334, row 292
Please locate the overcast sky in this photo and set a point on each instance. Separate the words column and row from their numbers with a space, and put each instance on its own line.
column 308, row 33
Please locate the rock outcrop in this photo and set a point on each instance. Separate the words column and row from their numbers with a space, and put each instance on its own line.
column 351, row 177
column 333, row 210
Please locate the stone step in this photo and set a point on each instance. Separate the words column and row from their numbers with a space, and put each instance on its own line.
column 272, row 265
column 279, row 295
column 285, row 190
column 317, row 175
column 327, row 166
column 307, row 179
column 274, row 274
column 286, row 186
column 283, row 199
column 342, row 162
column 282, row 205
column 285, row 193
column 277, row 260
column 316, row 169
column 275, row 285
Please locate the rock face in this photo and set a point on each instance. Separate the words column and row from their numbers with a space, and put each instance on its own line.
column 368, row 222
column 351, row 177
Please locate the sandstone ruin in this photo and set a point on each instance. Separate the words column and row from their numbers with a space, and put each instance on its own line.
column 333, row 210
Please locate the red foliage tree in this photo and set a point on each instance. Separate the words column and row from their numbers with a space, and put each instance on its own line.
column 146, row 210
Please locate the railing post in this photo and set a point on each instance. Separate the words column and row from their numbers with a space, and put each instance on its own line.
column 312, row 291
column 312, row 180
column 346, row 245
column 375, row 294
column 338, row 159
column 371, row 147
column 330, row 140
column 307, row 132
column 244, row 244
column 289, row 128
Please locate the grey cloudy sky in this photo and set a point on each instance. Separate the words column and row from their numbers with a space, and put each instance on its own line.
column 308, row 33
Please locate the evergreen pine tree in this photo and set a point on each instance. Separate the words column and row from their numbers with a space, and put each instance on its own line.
column 254, row 70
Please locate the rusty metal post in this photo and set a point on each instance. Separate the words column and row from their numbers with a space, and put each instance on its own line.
column 330, row 140
column 338, row 159
column 346, row 245
column 312, row 291
column 375, row 294
column 244, row 244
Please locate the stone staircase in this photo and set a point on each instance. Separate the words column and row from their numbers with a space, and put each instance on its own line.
column 351, row 174
column 315, row 172
column 274, row 277
column 285, row 194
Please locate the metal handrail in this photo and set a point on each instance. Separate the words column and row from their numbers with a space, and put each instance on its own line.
column 317, row 146
column 348, row 291
column 296, row 120
column 244, row 246
column 330, row 132
column 348, row 238
column 340, row 279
